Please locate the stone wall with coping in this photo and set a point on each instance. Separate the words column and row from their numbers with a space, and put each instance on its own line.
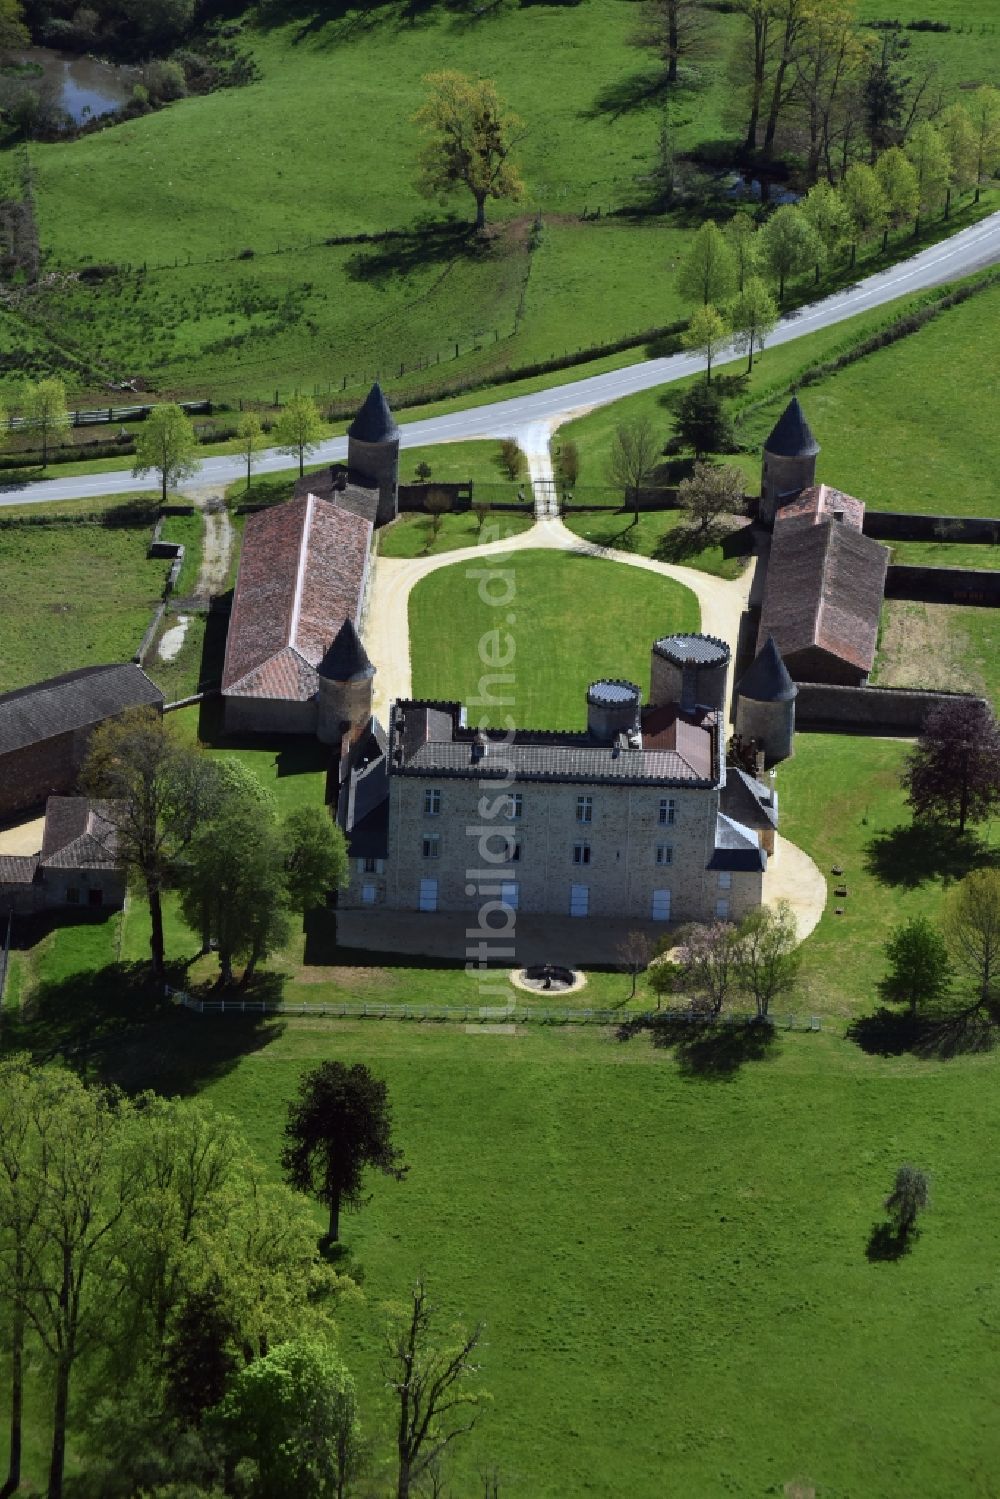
column 873, row 710
column 944, row 585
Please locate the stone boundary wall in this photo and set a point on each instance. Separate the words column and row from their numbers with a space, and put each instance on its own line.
column 414, row 496
column 871, row 710
column 891, row 525
column 944, row 585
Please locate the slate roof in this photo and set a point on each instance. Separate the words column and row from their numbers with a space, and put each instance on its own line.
column 18, row 869
column 791, row 436
column 748, row 801
column 767, row 680
column 821, row 502
column 427, row 738
column 302, row 574
column 78, row 834
column 824, row 589
column 76, row 700
column 692, row 650
column 736, row 847
column 340, row 486
column 363, row 803
column 613, row 692
column 374, row 422
column 346, row 657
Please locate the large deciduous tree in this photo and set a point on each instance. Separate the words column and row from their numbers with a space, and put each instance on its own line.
column 972, row 931
column 899, row 185
column 826, row 210
column 707, row 334
column 339, row 1126
column 298, row 430
column 789, row 245
column 984, row 111
column 469, row 137
column 931, row 164
column 673, row 30
column 711, row 491
column 767, row 955
column 708, row 271
column 705, row 959
column 920, row 970
column 632, row 459
column 429, row 1372
column 865, row 202
column 741, row 237
column 166, row 445
column 702, row 423
column 160, row 792
column 954, row 771
column 753, row 315
column 45, row 410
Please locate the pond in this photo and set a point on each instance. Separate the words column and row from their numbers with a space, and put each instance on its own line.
column 83, row 86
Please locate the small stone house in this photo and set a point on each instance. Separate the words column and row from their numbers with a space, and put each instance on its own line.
column 76, row 866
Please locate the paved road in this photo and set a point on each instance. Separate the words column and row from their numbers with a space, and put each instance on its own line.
column 967, row 251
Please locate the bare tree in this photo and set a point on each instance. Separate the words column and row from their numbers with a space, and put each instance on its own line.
column 671, row 30
column 634, row 450
column 706, row 965
column 428, row 1373
column 437, row 504
column 634, row 953
column 710, row 492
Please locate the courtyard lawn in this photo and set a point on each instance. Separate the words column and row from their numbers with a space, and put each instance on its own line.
column 950, row 646
column 459, row 463
column 841, row 801
column 413, row 535
column 73, row 596
column 566, row 615
column 666, row 535
column 945, row 553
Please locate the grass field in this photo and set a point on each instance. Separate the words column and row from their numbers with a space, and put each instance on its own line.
column 939, row 645
column 412, row 535
column 73, row 596
column 666, row 535
column 945, row 554
column 565, row 619
column 164, row 199
column 458, row 463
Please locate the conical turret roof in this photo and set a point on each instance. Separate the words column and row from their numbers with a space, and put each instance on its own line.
column 374, row 422
column 791, row 436
column 767, row 680
column 346, row 657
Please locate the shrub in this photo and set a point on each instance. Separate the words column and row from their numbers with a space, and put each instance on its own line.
column 165, row 81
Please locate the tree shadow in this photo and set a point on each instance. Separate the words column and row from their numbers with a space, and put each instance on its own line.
column 427, row 244
column 708, row 1049
column 324, row 950
column 112, row 1026
column 887, row 1244
column 912, row 854
column 625, row 95
column 937, row 1037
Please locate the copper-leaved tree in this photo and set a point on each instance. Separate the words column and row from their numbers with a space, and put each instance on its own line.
column 469, row 135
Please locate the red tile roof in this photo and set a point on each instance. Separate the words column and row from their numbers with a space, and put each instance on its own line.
column 822, row 502
column 302, row 573
column 824, row 588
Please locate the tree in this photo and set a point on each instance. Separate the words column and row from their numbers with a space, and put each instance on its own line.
column 45, row 410
column 423, row 471
column 664, row 977
column 13, row 32
column 662, row 177
column 754, row 317
column 928, row 156
column 984, row 109
column 710, row 492
column 428, row 1373
column 251, row 438
column 750, row 62
column 972, row 931
column 294, row 1414
column 634, row 952
column 569, row 463
column 706, row 961
column 708, row 271
column 953, row 773
column 20, row 1202
column 510, row 458
column 671, row 30
column 166, row 444
column 827, row 69
column 865, row 201
column 161, row 791
column 741, row 237
column 339, row 1126
column 633, row 455
column 707, row 333
column 910, row 1195
column 298, row 430
column 767, row 954
column 315, row 857
column 789, row 244
column 791, row 19
column 920, row 969
column 961, row 142
column 884, row 93
column 469, row 136
column 828, row 213
column 900, row 187
column 481, row 512
column 437, row 503
column 701, row 423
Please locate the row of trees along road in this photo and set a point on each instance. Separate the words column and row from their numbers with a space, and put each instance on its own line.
column 204, row 825
column 169, row 1307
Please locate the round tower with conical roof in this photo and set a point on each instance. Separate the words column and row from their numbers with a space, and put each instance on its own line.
column 373, row 452
column 765, row 704
column 789, row 461
column 345, row 687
